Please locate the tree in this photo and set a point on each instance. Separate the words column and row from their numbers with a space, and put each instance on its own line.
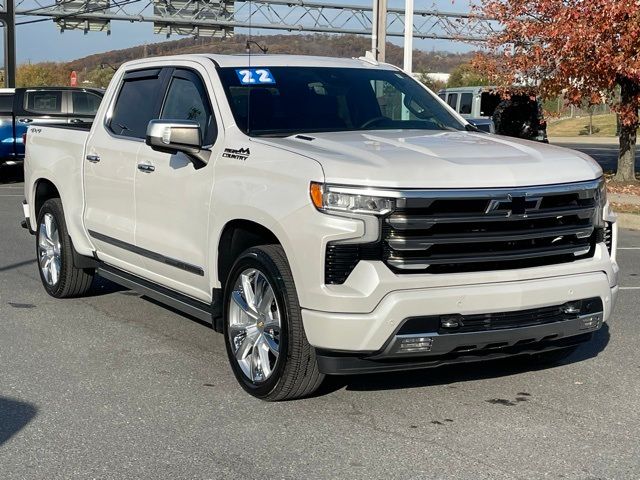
column 431, row 83
column 100, row 77
column 467, row 75
column 44, row 74
column 588, row 48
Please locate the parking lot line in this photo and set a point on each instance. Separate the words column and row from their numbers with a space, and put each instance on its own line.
column 628, row 248
column 629, row 288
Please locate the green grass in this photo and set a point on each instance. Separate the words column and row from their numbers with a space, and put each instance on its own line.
column 603, row 126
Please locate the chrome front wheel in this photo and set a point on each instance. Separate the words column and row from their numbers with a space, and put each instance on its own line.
column 254, row 327
column 49, row 249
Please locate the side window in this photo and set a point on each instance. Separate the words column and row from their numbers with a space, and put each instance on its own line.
column 137, row 103
column 43, row 101
column 85, row 103
column 187, row 100
column 466, row 103
column 452, row 100
column 443, row 96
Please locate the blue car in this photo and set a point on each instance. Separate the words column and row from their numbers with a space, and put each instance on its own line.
column 22, row 107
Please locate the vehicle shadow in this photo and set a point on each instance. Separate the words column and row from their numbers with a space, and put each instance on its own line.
column 14, row 416
column 450, row 374
column 11, row 174
column 4, row 268
column 102, row 286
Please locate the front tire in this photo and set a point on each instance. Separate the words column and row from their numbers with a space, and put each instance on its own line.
column 268, row 350
column 54, row 250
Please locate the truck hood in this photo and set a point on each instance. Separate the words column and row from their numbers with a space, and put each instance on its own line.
column 419, row 159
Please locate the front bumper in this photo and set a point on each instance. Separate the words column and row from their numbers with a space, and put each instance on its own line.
column 371, row 333
column 336, row 363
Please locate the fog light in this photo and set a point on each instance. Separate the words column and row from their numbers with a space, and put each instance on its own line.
column 416, row 344
column 572, row 308
column 591, row 322
column 450, row 321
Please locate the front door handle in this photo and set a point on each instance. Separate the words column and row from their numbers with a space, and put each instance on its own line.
column 26, row 120
column 93, row 158
column 76, row 120
column 145, row 167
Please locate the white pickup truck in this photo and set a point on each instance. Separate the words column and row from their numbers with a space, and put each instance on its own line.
column 329, row 216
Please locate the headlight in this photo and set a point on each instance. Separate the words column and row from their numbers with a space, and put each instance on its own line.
column 348, row 200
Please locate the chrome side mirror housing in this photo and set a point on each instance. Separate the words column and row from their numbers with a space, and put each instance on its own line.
column 173, row 136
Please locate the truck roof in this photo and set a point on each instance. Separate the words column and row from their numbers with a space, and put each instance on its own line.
column 276, row 60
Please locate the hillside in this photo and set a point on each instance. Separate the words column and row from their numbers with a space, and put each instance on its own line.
column 317, row 44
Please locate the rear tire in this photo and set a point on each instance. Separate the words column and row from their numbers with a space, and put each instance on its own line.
column 54, row 253
column 268, row 350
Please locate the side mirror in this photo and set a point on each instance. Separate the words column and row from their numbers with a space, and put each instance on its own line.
column 173, row 136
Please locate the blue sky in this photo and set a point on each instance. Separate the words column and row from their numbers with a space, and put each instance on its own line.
column 43, row 42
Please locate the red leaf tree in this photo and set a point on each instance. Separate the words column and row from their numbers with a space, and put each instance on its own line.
column 585, row 49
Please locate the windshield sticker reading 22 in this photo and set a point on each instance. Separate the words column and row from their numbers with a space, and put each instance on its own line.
column 249, row 76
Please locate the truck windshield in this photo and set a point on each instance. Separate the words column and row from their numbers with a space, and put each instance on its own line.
column 282, row 101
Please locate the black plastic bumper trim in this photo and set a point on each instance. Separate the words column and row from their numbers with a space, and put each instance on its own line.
column 490, row 345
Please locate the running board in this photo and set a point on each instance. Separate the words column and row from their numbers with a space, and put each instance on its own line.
column 190, row 306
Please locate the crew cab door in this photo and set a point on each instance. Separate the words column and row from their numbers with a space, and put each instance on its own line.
column 110, row 167
column 173, row 194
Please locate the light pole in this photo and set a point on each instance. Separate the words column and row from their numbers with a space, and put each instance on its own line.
column 408, row 36
column 379, row 29
column 8, row 19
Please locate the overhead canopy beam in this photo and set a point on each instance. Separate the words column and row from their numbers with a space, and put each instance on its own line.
column 285, row 15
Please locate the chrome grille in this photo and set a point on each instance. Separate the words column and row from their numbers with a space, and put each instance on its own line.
column 468, row 230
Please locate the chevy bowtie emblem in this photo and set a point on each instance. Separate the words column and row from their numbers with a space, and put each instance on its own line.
column 519, row 204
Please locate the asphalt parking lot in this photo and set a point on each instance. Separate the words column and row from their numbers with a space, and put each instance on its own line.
column 116, row 386
column 605, row 154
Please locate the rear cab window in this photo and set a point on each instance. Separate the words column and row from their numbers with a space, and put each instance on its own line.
column 44, row 102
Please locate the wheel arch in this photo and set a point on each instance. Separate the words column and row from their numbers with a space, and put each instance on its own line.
column 43, row 190
column 237, row 236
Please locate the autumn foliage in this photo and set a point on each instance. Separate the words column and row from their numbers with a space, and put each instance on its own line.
column 588, row 50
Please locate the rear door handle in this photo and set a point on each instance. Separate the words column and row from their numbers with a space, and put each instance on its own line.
column 76, row 120
column 26, row 120
column 145, row 167
column 93, row 158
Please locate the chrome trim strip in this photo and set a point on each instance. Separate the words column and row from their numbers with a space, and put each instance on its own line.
column 480, row 193
column 147, row 253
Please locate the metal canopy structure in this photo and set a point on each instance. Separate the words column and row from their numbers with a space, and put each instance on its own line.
column 221, row 17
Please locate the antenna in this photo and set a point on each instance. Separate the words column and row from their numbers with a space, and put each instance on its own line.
column 248, row 47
